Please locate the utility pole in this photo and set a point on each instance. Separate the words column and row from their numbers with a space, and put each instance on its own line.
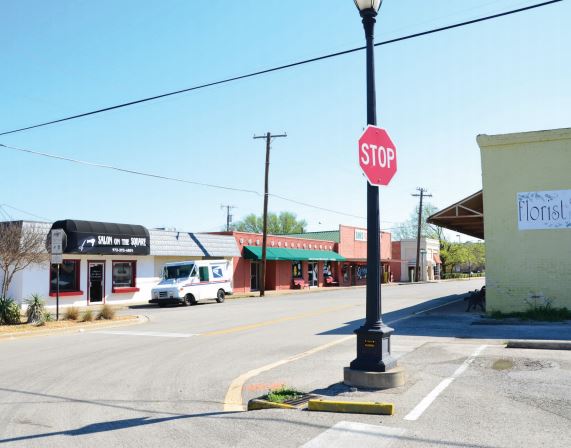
column 268, row 138
column 228, row 215
column 421, row 195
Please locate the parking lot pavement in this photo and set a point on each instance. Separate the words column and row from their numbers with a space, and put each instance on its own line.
column 463, row 387
column 502, row 398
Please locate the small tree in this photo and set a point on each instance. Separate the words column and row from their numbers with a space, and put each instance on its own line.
column 409, row 229
column 21, row 245
column 283, row 224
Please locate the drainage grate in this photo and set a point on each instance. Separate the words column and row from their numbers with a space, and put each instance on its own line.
column 299, row 401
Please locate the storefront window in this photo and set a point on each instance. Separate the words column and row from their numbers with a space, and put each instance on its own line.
column 345, row 271
column 361, row 272
column 124, row 274
column 296, row 270
column 68, row 276
column 327, row 269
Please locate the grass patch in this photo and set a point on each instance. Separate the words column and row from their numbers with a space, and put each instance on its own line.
column 106, row 313
column 71, row 313
column 48, row 325
column 88, row 316
column 282, row 394
column 540, row 313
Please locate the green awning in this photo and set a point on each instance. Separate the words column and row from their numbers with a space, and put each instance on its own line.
column 279, row 253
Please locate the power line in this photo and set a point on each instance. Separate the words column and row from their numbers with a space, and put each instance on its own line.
column 283, row 67
column 22, row 211
column 174, row 179
column 125, row 170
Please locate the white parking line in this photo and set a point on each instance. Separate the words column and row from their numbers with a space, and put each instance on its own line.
column 427, row 401
column 147, row 333
column 344, row 434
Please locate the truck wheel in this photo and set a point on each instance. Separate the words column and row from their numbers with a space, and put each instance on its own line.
column 190, row 300
column 162, row 305
column 220, row 296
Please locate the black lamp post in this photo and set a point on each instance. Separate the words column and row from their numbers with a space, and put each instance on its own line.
column 373, row 338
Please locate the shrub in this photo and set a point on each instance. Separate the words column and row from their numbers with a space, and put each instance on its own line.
column 106, row 313
column 9, row 311
column 87, row 316
column 71, row 313
column 36, row 309
column 45, row 317
column 282, row 394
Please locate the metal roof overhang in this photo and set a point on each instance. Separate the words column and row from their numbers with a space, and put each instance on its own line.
column 466, row 216
column 273, row 253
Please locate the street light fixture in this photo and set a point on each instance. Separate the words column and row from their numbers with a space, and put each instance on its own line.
column 364, row 5
column 373, row 338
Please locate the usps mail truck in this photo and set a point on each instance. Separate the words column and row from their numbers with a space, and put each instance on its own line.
column 190, row 282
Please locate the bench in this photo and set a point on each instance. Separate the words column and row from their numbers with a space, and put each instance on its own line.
column 329, row 281
column 298, row 283
column 477, row 298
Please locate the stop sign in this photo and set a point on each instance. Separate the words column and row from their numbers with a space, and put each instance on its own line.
column 377, row 156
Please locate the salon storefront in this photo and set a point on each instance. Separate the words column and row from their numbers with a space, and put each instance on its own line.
column 102, row 261
column 113, row 263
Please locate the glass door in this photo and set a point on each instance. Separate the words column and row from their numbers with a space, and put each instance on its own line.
column 96, row 282
column 312, row 273
column 254, row 276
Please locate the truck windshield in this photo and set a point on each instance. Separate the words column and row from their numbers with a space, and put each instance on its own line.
column 176, row 272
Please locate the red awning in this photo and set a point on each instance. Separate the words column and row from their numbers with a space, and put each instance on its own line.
column 436, row 258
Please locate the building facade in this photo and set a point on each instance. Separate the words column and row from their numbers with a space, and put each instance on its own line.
column 112, row 263
column 429, row 266
column 292, row 262
column 527, row 219
column 305, row 260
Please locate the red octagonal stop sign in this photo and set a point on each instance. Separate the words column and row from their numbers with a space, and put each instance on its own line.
column 377, row 156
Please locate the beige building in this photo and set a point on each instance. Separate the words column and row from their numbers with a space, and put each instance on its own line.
column 524, row 213
column 404, row 252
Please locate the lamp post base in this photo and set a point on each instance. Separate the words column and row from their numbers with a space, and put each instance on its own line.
column 374, row 380
column 374, row 350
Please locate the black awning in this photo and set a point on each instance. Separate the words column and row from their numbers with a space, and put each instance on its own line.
column 104, row 238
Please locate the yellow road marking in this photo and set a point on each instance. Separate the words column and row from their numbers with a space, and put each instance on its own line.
column 276, row 321
column 233, row 398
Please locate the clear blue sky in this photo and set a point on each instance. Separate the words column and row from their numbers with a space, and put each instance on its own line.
column 435, row 94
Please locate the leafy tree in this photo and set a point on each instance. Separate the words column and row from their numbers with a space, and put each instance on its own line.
column 283, row 224
column 467, row 256
column 409, row 228
column 20, row 246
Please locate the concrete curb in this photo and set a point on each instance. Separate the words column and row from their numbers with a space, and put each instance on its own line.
column 540, row 345
column 351, row 407
column 77, row 329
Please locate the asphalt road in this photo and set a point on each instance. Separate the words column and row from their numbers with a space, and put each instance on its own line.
column 168, row 382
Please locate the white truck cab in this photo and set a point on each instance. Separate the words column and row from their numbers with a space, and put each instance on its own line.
column 189, row 282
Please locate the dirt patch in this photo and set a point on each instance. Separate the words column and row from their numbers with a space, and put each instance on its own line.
column 23, row 328
column 502, row 364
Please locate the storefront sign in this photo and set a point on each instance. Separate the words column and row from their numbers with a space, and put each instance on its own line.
column 109, row 244
column 544, row 210
column 90, row 237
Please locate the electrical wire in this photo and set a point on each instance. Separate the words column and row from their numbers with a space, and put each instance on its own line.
column 174, row 179
column 283, row 67
column 125, row 170
column 22, row 211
